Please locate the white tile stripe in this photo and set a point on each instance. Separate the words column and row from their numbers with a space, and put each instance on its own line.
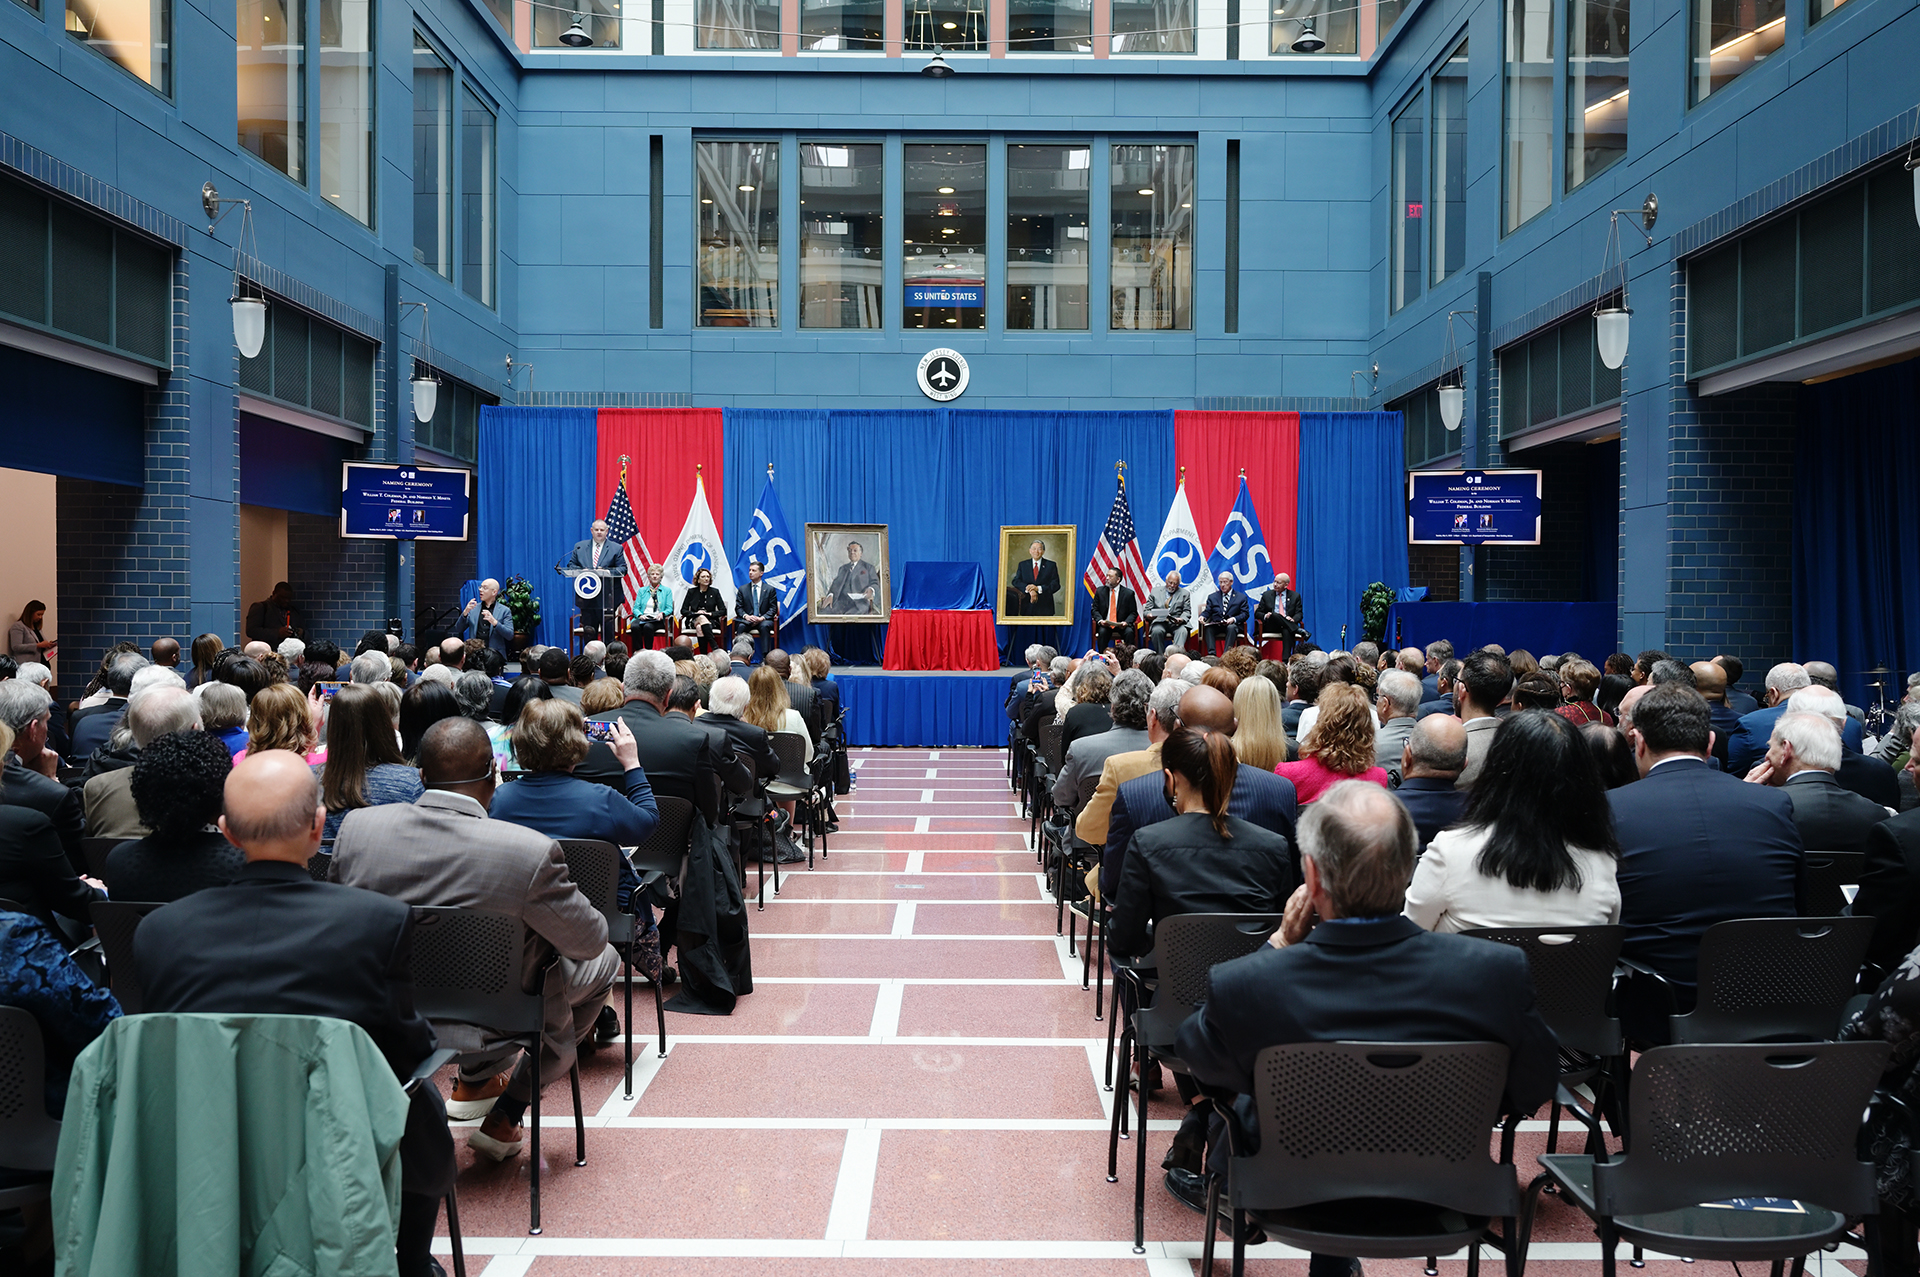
column 853, row 1191
column 886, row 1013
column 896, row 934
column 646, row 1066
column 916, row 862
column 903, row 920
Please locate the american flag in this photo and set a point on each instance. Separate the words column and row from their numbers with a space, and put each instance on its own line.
column 623, row 532
column 1118, row 547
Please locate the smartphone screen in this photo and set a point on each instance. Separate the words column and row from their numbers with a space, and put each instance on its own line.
column 599, row 731
column 328, row 689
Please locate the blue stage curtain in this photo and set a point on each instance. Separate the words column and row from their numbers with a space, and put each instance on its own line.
column 1353, row 516
column 536, row 475
column 1855, row 558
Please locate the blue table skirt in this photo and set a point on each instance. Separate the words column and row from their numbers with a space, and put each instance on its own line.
column 925, row 710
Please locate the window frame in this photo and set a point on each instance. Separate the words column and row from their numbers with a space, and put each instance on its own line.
column 371, row 177
column 490, row 270
column 168, row 24
column 449, row 215
column 1416, row 110
column 1556, row 127
column 1437, row 271
column 783, row 242
column 1567, row 183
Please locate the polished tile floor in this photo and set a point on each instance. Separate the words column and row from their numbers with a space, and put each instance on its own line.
column 913, row 1088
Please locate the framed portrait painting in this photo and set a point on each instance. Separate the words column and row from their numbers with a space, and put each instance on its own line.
column 849, row 579
column 1038, row 574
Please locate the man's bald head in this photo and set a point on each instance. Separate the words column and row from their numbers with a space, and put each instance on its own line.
column 1437, row 747
column 456, row 755
column 257, row 650
column 272, row 807
column 1206, row 709
column 1709, row 680
column 1821, row 673
column 1635, row 694
column 166, row 651
column 1413, row 661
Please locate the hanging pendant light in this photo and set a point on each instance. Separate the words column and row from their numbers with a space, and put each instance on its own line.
column 249, row 324
column 574, row 37
column 1308, row 41
column 1453, row 382
column 426, row 396
column 1611, row 323
column 1453, row 402
column 937, row 68
column 249, row 311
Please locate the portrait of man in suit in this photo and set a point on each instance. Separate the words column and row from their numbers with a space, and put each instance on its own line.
column 1032, row 589
column 847, row 578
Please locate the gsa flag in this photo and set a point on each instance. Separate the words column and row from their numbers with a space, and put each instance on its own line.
column 699, row 546
column 1241, row 550
column 769, row 541
column 1178, row 549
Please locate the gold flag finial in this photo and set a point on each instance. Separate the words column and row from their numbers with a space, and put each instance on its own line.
column 1183, row 474
column 769, row 471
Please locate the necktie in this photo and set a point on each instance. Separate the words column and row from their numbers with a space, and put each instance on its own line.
column 596, row 554
column 1113, row 604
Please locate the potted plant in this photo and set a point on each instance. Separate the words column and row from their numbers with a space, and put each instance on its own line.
column 525, row 606
column 1375, row 602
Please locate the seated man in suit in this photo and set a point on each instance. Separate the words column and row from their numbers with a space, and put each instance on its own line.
column 1169, row 614
column 90, row 725
column 1696, row 847
column 486, row 618
column 1801, row 759
column 1439, row 652
column 1163, row 716
column 151, row 714
column 1347, row 966
column 1396, row 703
column 1303, row 688
column 444, row 850
column 1445, row 700
column 1279, row 613
column 678, row 756
column 1890, row 883
column 1738, row 700
column 751, row 744
column 1223, row 618
column 1115, row 611
column 1483, row 684
column 1749, row 743
column 275, row 942
column 1868, row 777
column 1430, row 761
column 740, row 661
column 32, row 765
column 1086, row 758
column 598, row 552
column 756, row 610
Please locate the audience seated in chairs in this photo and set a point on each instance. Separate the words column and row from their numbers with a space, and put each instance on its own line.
column 770, row 709
column 799, row 681
column 34, row 870
column 1430, row 761
column 1086, row 758
column 178, row 785
column 275, row 942
column 1535, row 847
column 1093, row 825
column 421, row 706
column 1088, row 715
column 1397, row 705
column 730, row 698
column 33, row 766
column 364, row 766
column 151, row 713
column 279, row 717
column 820, row 665
column 1802, row 756
column 444, row 850
column 1340, row 746
column 100, row 712
column 1482, row 686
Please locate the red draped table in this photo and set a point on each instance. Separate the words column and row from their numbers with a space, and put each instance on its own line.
column 941, row 640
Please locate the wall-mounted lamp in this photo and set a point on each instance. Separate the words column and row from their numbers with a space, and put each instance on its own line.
column 513, row 368
column 426, row 386
column 1610, row 323
column 1308, row 41
column 937, row 68
column 249, row 308
column 1453, row 382
column 1373, row 381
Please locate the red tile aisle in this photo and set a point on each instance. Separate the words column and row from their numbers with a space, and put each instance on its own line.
column 913, row 1088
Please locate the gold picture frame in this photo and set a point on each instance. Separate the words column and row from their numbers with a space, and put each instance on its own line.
column 828, row 554
column 1058, row 547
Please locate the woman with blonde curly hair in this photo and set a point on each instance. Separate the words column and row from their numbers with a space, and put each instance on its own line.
column 1341, row 747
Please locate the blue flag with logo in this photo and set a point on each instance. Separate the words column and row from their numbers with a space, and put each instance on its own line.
column 770, row 543
column 1242, row 550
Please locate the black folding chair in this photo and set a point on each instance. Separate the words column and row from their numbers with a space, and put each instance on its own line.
column 594, row 867
column 1372, row 1149
column 1186, row 947
column 466, row 969
column 794, row 784
column 28, row 1137
column 114, row 922
column 1774, row 979
column 94, row 852
column 1823, row 874
column 1738, row 1152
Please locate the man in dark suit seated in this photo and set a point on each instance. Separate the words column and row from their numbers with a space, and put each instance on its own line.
column 31, row 766
column 1223, row 618
column 1697, row 847
column 276, row 942
column 1868, row 777
column 1430, row 762
column 1439, row 652
column 1303, row 686
column 1801, row 760
column 756, row 610
column 1739, row 700
column 677, row 755
column 1890, row 883
column 1349, row 967
column 750, row 743
column 90, row 727
column 1442, row 701
column 1115, row 611
column 1279, row 615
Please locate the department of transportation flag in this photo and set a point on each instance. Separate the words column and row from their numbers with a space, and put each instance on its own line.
column 622, row 531
column 1178, row 549
column 1118, row 547
column 769, row 541
column 699, row 546
column 1241, row 550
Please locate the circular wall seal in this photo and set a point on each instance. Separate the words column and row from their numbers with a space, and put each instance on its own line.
column 942, row 374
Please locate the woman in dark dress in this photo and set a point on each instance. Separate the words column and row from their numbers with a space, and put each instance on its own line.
column 1089, row 714
column 179, row 785
column 703, row 611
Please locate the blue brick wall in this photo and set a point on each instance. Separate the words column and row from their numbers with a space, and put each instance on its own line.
column 340, row 584
column 1554, row 570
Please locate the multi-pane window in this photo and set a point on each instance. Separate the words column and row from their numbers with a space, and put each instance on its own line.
column 1447, row 210
column 1596, row 87
column 346, row 106
column 135, row 34
column 837, row 26
column 1818, row 9
column 1314, row 26
column 271, row 76
column 737, row 24
column 1408, row 220
column 1730, row 37
column 564, row 25
column 1152, row 26
column 1151, row 254
column 944, row 255
column 841, row 249
column 1529, row 110
column 1048, row 250
column 1050, row 26
column 432, row 159
column 738, row 220
column 477, row 208
column 502, row 11
column 959, row 25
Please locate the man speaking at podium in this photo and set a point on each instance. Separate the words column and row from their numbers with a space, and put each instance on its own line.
column 597, row 552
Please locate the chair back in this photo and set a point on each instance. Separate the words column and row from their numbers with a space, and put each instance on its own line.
column 1822, row 875
column 1050, row 748
column 1774, row 978
column 466, row 968
column 1405, row 1120
column 792, row 752
column 115, row 922
column 594, row 867
column 320, row 866
column 1186, row 948
column 28, row 1137
column 1572, row 978
column 1710, row 1123
column 94, row 852
column 665, row 849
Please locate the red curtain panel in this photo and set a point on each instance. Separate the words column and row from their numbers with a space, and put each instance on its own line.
column 1214, row 447
column 663, row 445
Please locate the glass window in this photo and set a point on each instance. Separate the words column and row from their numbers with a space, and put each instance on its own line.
column 502, row 11
column 476, row 197
column 133, row 33
column 739, row 227
column 597, row 22
column 1048, row 250
column 1529, row 109
column 346, row 106
column 1447, row 210
column 1596, row 87
column 1050, row 26
column 1315, row 26
column 31, row 4
column 944, row 271
column 947, row 24
column 1409, row 202
column 841, row 251
column 272, row 81
column 1152, row 26
column 1386, row 18
column 830, row 26
column 432, row 160
column 1816, row 9
column 1152, row 250
column 737, row 24
column 1732, row 36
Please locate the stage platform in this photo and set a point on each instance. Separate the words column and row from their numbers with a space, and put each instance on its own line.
column 924, row 709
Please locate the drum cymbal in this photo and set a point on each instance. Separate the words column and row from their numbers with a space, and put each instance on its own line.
column 1879, row 669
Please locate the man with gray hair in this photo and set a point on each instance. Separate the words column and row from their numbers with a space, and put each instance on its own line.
column 1749, row 744
column 678, row 754
column 445, row 675
column 40, row 676
column 152, row 713
column 372, row 667
column 93, row 724
column 1087, row 757
column 726, row 701
column 1439, row 652
column 1868, row 777
column 1802, row 758
column 292, row 651
column 595, row 651
column 1429, row 763
column 31, row 767
column 1347, row 965
column 1397, row 704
